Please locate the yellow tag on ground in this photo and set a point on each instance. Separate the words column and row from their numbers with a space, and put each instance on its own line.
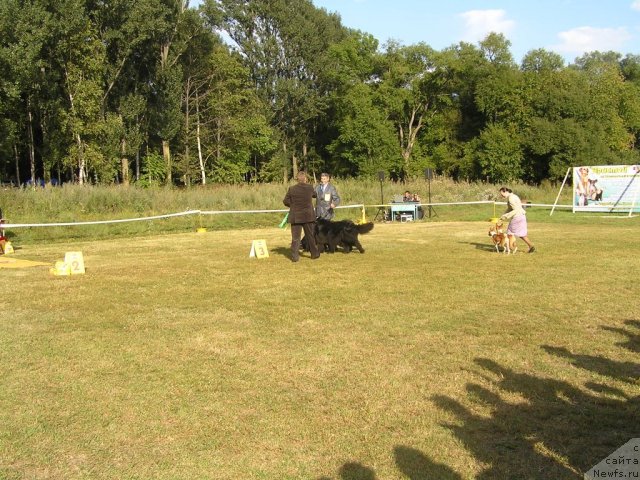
column 75, row 262
column 259, row 249
column 7, row 248
column 6, row 262
column 61, row 268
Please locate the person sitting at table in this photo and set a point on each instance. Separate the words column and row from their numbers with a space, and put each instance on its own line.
column 407, row 197
column 419, row 212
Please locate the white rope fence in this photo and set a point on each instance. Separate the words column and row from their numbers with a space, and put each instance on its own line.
column 236, row 212
column 98, row 222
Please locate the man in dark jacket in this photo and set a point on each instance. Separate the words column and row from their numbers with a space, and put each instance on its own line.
column 302, row 216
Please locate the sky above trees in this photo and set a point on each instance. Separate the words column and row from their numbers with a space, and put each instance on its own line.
column 147, row 91
column 567, row 27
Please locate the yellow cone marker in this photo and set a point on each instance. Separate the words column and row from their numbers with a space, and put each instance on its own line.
column 363, row 220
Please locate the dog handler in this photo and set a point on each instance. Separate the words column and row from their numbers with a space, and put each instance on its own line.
column 327, row 197
column 517, row 218
column 302, row 216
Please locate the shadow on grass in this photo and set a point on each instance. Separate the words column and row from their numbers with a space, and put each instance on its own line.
column 283, row 251
column 626, row 371
column 633, row 338
column 550, row 428
column 487, row 247
column 415, row 465
column 557, row 432
column 286, row 252
column 356, row 471
column 537, row 428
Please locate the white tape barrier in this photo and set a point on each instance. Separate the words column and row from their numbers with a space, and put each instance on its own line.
column 526, row 205
column 155, row 217
column 98, row 222
column 479, row 202
column 220, row 212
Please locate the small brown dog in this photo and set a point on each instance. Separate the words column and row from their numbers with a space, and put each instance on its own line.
column 502, row 240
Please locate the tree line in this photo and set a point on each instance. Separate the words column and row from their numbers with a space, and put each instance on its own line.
column 156, row 92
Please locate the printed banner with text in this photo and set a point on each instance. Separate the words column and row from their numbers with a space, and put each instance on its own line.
column 607, row 188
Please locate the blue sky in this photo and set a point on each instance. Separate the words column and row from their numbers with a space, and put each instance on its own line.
column 567, row 27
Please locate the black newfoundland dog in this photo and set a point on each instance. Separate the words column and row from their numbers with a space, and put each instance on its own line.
column 344, row 233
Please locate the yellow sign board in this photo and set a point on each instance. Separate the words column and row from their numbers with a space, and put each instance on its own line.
column 75, row 262
column 259, row 249
column 6, row 247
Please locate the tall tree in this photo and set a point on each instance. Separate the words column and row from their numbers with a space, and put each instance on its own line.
column 499, row 91
column 127, row 29
column 26, row 32
column 282, row 42
column 364, row 140
column 498, row 153
column 171, row 43
column 415, row 85
column 236, row 130
column 80, row 56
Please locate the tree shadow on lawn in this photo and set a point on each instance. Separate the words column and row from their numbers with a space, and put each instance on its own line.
column 626, row 371
column 354, row 471
column 552, row 430
column 413, row 464
column 558, row 430
column 633, row 338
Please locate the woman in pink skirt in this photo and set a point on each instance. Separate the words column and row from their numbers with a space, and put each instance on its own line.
column 517, row 217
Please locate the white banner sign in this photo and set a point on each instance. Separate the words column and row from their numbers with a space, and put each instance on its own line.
column 607, row 188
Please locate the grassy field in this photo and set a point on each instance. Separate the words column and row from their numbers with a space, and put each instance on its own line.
column 77, row 203
column 428, row 357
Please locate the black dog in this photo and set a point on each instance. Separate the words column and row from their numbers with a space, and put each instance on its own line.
column 344, row 233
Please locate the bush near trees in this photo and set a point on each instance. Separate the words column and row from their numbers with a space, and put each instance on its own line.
column 119, row 92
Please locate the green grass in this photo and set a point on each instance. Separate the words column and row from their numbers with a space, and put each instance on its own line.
column 429, row 356
column 75, row 203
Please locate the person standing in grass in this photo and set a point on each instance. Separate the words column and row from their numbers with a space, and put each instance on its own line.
column 516, row 216
column 327, row 198
column 302, row 216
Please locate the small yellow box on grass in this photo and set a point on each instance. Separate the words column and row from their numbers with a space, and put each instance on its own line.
column 61, row 268
column 73, row 264
column 75, row 260
column 259, row 249
column 6, row 247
